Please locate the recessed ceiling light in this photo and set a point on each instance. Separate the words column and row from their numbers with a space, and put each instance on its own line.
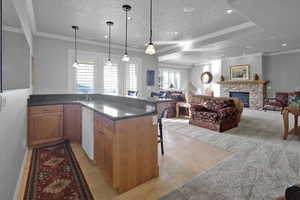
column 188, row 9
column 175, row 33
column 105, row 36
column 229, row 11
column 284, row 44
column 130, row 18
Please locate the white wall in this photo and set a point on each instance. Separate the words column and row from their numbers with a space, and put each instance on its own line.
column 255, row 62
column 283, row 72
column 13, row 129
column 214, row 67
column 51, row 64
column 16, row 61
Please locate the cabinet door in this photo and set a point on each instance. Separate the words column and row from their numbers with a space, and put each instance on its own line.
column 45, row 127
column 99, row 148
column 72, row 123
column 108, row 155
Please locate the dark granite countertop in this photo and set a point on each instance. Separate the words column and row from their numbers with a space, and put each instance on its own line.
column 111, row 110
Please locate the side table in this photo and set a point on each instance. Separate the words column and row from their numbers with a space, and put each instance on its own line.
column 294, row 110
column 182, row 105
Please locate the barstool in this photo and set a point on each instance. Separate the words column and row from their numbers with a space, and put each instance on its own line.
column 160, row 126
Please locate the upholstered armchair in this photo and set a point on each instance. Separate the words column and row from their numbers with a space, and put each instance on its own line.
column 216, row 114
column 278, row 102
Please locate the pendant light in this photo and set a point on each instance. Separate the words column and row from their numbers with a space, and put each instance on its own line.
column 150, row 50
column 109, row 24
column 126, row 8
column 76, row 63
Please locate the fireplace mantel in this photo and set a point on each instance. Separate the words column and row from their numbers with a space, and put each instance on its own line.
column 258, row 82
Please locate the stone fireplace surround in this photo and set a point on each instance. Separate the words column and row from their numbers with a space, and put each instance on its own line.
column 256, row 89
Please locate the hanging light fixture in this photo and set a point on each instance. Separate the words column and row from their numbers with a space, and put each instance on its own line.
column 109, row 24
column 126, row 8
column 76, row 63
column 150, row 50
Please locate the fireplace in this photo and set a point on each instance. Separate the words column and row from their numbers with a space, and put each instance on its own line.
column 243, row 96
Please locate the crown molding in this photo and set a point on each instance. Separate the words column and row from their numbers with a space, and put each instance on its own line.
column 71, row 39
column 176, row 66
column 243, row 56
column 12, row 29
column 283, row 52
column 212, row 35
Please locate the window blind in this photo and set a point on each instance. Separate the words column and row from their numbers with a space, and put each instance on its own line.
column 85, row 77
column 131, row 77
column 111, row 79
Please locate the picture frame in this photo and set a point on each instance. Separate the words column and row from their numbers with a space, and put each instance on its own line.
column 150, row 78
column 240, row 72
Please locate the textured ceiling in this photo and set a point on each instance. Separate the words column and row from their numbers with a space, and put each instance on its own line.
column 56, row 16
column 9, row 14
column 205, row 33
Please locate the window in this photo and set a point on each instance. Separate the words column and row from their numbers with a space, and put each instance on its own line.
column 131, row 77
column 85, row 77
column 169, row 79
column 111, row 79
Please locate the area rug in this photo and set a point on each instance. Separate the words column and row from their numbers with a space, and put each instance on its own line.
column 262, row 166
column 55, row 175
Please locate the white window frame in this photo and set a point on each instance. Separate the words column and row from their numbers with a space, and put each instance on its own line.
column 169, row 70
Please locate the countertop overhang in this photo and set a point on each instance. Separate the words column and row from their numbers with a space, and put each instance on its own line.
column 110, row 106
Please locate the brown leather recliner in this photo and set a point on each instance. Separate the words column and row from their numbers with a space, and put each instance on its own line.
column 215, row 113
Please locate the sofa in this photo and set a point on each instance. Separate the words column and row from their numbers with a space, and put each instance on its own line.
column 215, row 113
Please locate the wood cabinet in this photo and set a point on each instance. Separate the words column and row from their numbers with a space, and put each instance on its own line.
column 126, row 150
column 72, row 123
column 45, row 124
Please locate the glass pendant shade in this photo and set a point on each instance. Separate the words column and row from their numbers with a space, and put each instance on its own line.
column 126, row 58
column 108, row 63
column 75, row 64
column 150, row 50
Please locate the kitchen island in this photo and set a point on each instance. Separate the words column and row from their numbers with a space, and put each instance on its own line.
column 119, row 134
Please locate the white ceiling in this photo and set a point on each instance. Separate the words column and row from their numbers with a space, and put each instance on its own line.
column 10, row 17
column 206, row 33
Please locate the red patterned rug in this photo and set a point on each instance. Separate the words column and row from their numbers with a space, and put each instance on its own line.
column 55, row 175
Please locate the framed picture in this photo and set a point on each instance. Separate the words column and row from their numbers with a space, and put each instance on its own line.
column 150, row 77
column 240, row 72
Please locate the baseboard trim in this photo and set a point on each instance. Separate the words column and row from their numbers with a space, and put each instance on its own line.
column 17, row 190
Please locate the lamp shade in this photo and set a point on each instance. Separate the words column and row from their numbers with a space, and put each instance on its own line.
column 190, row 87
column 150, row 50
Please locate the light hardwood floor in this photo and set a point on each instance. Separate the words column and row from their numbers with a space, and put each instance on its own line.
column 184, row 159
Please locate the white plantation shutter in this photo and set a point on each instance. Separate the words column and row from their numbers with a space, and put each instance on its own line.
column 85, row 77
column 111, row 79
column 131, row 80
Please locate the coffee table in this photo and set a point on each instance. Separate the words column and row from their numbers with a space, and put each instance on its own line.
column 293, row 109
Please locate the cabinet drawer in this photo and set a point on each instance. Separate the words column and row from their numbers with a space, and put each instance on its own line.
column 45, row 109
column 97, row 121
column 108, row 124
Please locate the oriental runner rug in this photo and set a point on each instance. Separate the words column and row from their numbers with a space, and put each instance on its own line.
column 55, row 175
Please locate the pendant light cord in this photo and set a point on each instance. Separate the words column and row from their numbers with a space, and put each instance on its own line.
column 109, row 33
column 150, row 21
column 75, row 44
column 126, row 32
